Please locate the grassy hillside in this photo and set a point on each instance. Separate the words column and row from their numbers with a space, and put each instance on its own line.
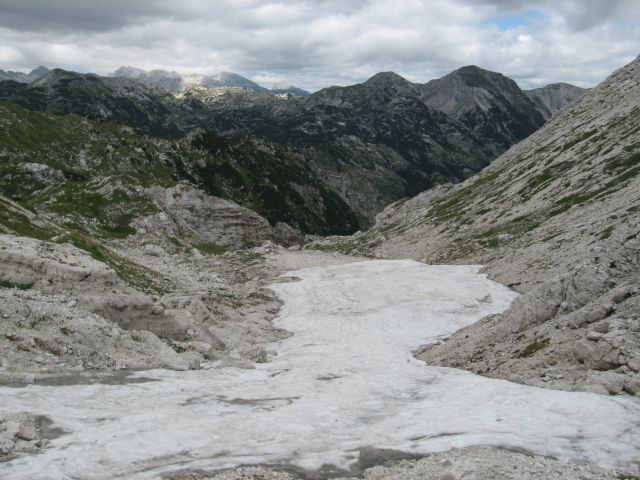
column 92, row 174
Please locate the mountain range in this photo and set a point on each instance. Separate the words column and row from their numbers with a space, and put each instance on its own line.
column 177, row 83
column 370, row 143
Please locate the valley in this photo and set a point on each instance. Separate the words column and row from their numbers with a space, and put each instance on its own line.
column 201, row 278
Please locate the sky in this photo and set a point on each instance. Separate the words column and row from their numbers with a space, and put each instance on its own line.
column 317, row 43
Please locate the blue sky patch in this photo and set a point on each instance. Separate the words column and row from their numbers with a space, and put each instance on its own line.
column 507, row 22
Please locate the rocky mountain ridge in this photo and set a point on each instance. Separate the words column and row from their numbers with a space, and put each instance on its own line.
column 178, row 83
column 371, row 143
column 289, row 90
column 23, row 77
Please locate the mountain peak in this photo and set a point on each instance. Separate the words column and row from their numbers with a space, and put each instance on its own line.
column 38, row 72
column 386, row 78
column 475, row 76
column 479, row 98
column 554, row 97
column 128, row 72
column 289, row 89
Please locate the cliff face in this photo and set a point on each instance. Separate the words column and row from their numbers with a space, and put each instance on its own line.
column 557, row 218
column 190, row 215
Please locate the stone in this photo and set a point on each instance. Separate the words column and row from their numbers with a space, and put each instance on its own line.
column 602, row 327
column 598, row 356
column 192, row 360
column 448, row 476
column 136, row 312
column 6, row 445
column 284, row 234
column 231, row 362
column 257, row 355
column 27, row 431
column 632, row 385
column 153, row 250
column 592, row 388
column 612, row 382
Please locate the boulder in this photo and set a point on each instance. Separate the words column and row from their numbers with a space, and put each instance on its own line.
column 612, row 382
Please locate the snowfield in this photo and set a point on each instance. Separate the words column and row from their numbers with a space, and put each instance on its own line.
column 345, row 380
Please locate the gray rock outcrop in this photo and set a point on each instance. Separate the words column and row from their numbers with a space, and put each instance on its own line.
column 53, row 267
column 190, row 215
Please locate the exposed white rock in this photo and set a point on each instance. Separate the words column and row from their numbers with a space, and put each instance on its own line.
column 51, row 266
column 190, row 215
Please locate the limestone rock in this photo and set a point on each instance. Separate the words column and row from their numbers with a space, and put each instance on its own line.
column 190, row 214
column 612, row 382
column 51, row 266
column 20, row 434
column 632, row 385
column 192, row 360
column 133, row 312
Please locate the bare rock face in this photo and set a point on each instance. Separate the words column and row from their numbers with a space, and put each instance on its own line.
column 193, row 216
column 28, row 262
column 63, row 311
column 133, row 312
column 557, row 218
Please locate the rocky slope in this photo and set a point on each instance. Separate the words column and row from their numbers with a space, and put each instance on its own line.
column 554, row 97
column 78, row 310
column 556, row 218
column 72, row 305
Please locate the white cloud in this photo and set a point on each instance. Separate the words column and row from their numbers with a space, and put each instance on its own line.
column 317, row 43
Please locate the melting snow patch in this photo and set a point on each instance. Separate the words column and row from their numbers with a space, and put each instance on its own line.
column 345, row 380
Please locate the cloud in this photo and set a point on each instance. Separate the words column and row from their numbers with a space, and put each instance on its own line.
column 317, row 43
column 579, row 15
column 80, row 15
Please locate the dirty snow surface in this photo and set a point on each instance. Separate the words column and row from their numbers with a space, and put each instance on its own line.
column 345, row 380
